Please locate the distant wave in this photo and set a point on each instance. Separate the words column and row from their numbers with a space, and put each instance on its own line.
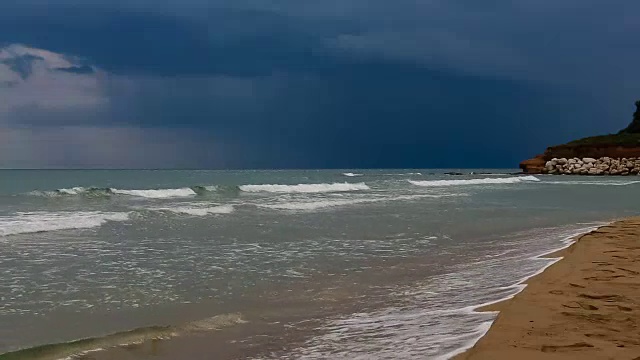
column 157, row 194
column 329, row 203
column 35, row 222
column 305, row 188
column 314, row 205
column 404, row 174
column 145, row 193
column 196, row 210
column 187, row 192
column 508, row 180
column 349, row 174
column 92, row 192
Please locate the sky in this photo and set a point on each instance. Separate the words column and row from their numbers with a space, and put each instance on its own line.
column 310, row 84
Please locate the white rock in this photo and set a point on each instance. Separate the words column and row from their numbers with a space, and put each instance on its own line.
column 589, row 160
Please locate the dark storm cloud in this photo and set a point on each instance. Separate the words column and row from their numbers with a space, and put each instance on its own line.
column 225, row 41
column 337, row 83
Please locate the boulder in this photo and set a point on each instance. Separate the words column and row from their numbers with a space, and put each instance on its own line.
column 584, row 166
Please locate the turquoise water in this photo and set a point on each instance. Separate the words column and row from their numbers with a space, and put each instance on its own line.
column 405, row 254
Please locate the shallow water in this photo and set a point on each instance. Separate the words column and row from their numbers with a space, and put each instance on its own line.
column 388, row 263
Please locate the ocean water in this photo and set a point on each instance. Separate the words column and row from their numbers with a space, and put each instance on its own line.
column 316, row 264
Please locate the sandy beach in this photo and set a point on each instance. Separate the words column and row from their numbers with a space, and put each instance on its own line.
column 585, row 306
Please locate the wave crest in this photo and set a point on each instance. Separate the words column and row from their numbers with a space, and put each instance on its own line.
column 157, row 194
column 146, row 193
column 508, row 180
column 305, row 188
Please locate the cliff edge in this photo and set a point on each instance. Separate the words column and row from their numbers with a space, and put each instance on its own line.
column 625, row 144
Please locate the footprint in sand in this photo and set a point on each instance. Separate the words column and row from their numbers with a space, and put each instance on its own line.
column 580, row 305
column 606, row 270
column 572, row 347
column 629, row 271
column 601, row 263
column 603, row 278
column 607, row 298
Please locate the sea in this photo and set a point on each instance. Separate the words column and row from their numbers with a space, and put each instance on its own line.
column 304, row 264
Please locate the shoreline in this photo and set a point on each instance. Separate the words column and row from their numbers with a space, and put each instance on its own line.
column 169, row 340
column 142, row 343
column 583, row 304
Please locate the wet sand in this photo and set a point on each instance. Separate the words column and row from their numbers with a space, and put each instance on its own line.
column 586, row 306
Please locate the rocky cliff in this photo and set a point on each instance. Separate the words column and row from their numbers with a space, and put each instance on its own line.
column 624, row 145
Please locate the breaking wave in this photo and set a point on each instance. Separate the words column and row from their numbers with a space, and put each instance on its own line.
column 350, row 174
column 157, row 194
column 305, row 188
column 35, row 222
column 91, row 192
column 508, row 180
column 145, row 193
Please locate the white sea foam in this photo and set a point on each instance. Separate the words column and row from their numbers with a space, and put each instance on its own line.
column 305, row 188
column 72, row 191
column 507, row 180
column 316, row 204
column 198, row 210
column 437, row 319
column 157, row 194
column 350, row 174
column 26, row 223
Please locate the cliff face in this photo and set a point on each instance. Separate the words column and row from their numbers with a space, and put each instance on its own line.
column 534, row 165
column 625, row 144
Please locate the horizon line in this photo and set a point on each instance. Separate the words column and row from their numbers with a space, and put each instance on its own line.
column 254, row 169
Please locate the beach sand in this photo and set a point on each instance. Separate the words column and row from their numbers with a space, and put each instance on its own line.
column 586, row 306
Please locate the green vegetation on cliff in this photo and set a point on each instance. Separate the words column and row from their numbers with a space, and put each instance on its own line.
column 621, row 139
